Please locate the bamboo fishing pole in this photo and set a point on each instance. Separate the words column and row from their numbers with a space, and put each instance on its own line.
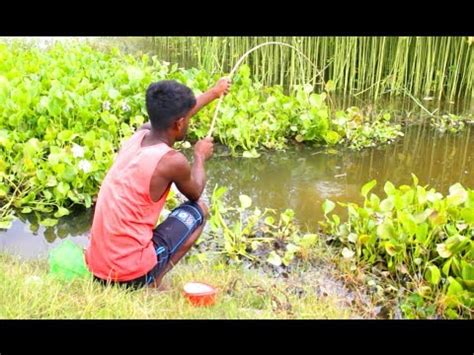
column 234, row 69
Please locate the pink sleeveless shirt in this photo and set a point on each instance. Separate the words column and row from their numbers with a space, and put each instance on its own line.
column 121, row 247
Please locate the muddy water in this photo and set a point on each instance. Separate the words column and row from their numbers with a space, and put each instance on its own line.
column 300, row 178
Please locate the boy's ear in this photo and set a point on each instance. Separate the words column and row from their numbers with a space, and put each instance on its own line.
column 180, row 122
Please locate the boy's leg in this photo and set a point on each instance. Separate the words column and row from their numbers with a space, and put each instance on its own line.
column 181, row 251
column 178, row 251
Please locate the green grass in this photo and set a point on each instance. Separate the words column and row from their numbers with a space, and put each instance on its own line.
column 27, row 291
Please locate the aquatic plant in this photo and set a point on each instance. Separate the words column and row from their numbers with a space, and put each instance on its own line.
column 416, row 237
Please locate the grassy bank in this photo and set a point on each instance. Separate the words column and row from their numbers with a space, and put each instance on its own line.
column 27, row 292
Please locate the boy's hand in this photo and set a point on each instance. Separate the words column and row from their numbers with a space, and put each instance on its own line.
column 222, row 87
column 204, row 148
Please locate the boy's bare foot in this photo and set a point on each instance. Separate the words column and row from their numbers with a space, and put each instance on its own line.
column 161, row 287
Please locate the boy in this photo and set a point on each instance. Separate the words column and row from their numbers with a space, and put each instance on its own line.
column 124, row 248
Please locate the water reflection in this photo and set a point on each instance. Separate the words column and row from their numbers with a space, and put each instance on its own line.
column 300, row 178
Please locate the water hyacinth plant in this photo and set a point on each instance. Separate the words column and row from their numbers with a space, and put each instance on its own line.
column 415, row 236
column 361, row 131
column 65, row 111
column 261, row 238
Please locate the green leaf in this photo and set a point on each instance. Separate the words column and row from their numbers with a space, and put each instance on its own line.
column 332, row 137
column 451, row 313
column 63, row 188
column 367, row 187
column 87, row 201
column 31, row 147
column 470, row 199
column 421, row 217
column 353, row 210
column 274, row 259
column 28, row 198
column 69, row 173
column 288, row 258
column 51, row 182
column 456, row 266
column 287, row 216
column 48, row 222
column 390, row 248
column 3, row 190
column 455, row 287
column 389, row 188
column 415, row 179
column 433, row 275
column 108, row 119
column 4, row 84
column 443, row 251
column 467, row 271
column 386, row 230
column 455, row 243
column 113, row 94
column 47, row 194
column 467, row 214
column 438, row 218
column 245, row 201
column 387, row 205
column 362, row 239
column 218, row 192
column 61, row 212
column 299, row 138
column 446, row 267
column 330, row 86
column 408, row 223
column 421, row 232
column 135, row 73
column 374, row 202
column 269, row 220
column 405, row 189
column 65, row 135
column 73, row 196
column 308, row 240
column 251, row 154
column 5, row 224
column 328, row 206
column 457, row 195
column 421, row 195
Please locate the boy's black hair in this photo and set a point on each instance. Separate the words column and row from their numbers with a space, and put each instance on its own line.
column 167, row 101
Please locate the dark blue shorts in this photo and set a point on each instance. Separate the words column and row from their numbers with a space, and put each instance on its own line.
column 168, row 237
column 172, row 233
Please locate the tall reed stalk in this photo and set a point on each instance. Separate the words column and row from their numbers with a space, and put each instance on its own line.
column 438, row 67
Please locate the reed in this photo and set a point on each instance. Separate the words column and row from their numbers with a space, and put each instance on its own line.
column 439, row 67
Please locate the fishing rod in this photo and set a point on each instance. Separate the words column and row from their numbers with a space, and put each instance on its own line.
column 234, row 69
